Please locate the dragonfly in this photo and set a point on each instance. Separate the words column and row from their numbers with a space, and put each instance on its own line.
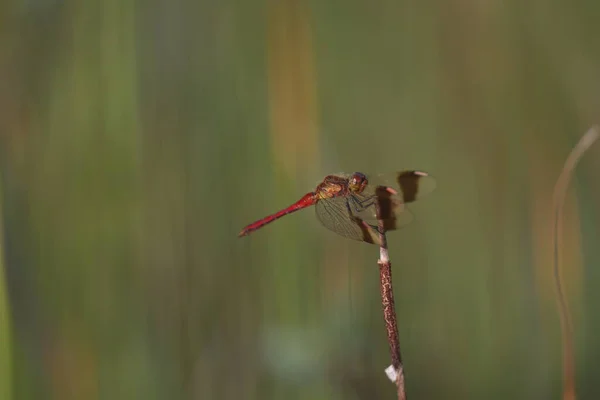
column 353, row 207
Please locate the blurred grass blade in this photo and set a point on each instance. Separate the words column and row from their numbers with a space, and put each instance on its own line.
column 560, row 192
column 5, row 328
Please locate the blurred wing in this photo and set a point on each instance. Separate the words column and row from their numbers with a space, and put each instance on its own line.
column 392, row 211
column 406, row 187
column 413, row 185
column 334, row 213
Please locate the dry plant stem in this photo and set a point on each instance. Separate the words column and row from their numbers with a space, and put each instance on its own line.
column 560, row 192
column 389, row 311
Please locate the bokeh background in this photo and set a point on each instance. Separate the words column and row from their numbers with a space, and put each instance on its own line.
column 137, row 138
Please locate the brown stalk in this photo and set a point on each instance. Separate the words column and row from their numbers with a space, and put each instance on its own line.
column 566, row 323
column 389, row 310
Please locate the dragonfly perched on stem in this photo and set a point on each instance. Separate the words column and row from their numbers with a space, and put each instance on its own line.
column 351, row 206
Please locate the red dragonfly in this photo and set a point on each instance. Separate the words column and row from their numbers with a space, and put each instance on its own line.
column 351, row 206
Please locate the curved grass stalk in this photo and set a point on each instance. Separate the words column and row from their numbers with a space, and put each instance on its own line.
column 566, row 323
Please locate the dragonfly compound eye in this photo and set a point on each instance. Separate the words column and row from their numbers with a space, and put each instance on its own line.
column 357, row 182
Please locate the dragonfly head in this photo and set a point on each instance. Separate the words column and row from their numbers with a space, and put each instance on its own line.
column 357, row 182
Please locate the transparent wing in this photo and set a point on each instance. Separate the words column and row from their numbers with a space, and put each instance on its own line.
column 336, row 215
column 356, row 216
column 394, row 192
column 392, row 211
column 410, row 185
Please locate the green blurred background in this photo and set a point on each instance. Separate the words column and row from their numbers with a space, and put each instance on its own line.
column 137, row 139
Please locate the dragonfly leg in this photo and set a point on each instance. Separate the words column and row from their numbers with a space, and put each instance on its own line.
column 353, row 217
column 382, row 209
column 367, row 229
column 350, row 214
column 361, row 205
column 359, row 220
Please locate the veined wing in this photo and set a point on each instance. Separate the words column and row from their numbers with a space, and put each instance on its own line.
column 335, row 214
column 391, row 195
